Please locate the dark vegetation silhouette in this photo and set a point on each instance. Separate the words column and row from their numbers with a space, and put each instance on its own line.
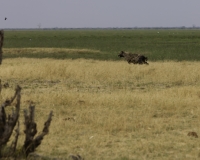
column 1, row 44
column 9, row 124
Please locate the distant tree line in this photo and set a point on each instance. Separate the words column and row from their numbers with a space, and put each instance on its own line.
column 57, row 28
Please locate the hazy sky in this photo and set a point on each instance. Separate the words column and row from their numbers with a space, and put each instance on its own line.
column 99, row 13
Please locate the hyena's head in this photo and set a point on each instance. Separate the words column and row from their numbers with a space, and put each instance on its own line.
column 121, row 54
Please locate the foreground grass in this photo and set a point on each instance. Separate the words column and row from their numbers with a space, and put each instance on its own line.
column 111, row 110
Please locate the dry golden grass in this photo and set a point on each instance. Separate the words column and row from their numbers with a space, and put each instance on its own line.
column 46, row 50
column 111, row 110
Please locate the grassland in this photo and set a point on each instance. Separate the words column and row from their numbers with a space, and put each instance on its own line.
column 104, row 108
column 157, row 44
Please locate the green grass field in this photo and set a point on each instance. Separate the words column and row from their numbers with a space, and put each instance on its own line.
column 156, row 44
column 105, row 108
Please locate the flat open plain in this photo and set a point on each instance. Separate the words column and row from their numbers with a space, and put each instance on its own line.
column 106, row 108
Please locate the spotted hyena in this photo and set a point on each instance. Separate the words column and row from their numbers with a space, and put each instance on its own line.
column 134, row 58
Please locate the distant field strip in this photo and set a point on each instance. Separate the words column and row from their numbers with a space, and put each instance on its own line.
column 57, row 53
column 46, row 50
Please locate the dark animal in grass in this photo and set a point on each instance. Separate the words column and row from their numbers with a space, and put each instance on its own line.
column 134, row 58
column 76, row 157
column 193, row 134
